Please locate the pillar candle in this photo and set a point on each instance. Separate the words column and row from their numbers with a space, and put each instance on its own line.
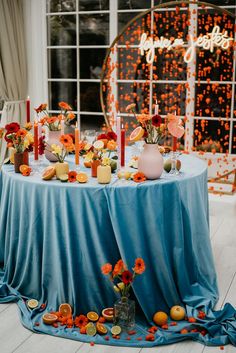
column 104, row 174
column 118, row 133
column 28, row 109
column 122, row 161
column 36, row 141
column 156, row 111
column 76, row 145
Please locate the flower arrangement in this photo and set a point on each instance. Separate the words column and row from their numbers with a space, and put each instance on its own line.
column 62, row 151
column 150, row 127
column 54, row 122
column 19, row 138
column 121, row 276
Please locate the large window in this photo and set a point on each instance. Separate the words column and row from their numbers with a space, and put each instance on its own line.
column 80, row 31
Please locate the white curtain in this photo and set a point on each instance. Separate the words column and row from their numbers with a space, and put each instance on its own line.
column 13, row 70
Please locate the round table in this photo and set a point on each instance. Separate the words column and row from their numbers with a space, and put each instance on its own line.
column 54, row 238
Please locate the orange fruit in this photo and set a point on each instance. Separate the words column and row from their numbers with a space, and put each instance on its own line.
column 160, row 318
column 48, row 173
column 101, row 329
column 92, row 316
column 23, row 168
column 49, row 319
column 87, row 164
column 137, row 134
column 82, row 177
column 177, row 313
column 108, row 314
column 65, row 309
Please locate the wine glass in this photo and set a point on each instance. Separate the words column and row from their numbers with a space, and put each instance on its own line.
column 89, row 136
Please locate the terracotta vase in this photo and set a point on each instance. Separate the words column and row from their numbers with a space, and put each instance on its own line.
column 104, row 174
column 53, row 138
column 94, row 166
column 61, row 168
column 19, row 159
column 151, row 162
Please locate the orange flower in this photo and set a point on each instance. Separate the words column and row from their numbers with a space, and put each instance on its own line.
column 106, row 269
column 64, row 106
column 111, row 145
column 70, row 148
column 139, row 266
column 66, row 140
column 21, row 133
column 72, row 176
column 60, row 117
column 28, row 126
column 119, row 268
column 81, row 321
column 142, row 118
column 71, row 116
column 139, row 177
column 1, row 132
column 41, row 108
column 51, row 120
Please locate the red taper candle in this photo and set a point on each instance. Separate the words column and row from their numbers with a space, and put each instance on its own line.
column 122, row 159
column 28, row 110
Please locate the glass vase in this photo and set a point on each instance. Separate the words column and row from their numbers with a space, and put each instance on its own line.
column 19, row 159
column 53, row 138
column 124, row 313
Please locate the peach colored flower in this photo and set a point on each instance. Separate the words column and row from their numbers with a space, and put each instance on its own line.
column 41, row 108
column 106, row 269
column 142, row 118
column 139, row 266
column 119, row 268
column 71, row 116
column 64, row 106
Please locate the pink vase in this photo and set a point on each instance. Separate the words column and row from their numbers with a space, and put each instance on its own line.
column 151, row 162
column 53, row 138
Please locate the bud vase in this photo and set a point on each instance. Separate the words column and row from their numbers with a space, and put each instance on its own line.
column 61, row 168
column 151, row 162
column 94, row 166
column 19, row 159
column 124, row 313
column 53, row 138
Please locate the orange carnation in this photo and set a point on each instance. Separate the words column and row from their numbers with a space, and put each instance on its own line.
column 139, row 177
column 119, row 268
column 139, row 266
column 65, row 106
column 106, row 269
column 72, row 176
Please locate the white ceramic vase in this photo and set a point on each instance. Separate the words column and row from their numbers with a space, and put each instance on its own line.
column 53, row 138
column 151, row 162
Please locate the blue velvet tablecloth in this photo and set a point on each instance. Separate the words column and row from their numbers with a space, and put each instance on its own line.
column 55, row 236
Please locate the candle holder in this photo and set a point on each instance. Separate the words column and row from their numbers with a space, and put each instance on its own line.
column 174, row 171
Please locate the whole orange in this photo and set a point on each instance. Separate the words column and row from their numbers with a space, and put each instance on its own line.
column 177, row 313
column 160, row 318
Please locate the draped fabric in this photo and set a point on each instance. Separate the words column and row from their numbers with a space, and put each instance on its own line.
column 13, row 72
column 54, row 238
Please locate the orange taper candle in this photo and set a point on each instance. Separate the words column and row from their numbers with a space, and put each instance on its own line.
column 76, row 145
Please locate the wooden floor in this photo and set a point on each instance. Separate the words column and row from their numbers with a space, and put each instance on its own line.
column 15, row 338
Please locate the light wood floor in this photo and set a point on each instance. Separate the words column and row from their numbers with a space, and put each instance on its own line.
column 15, row 338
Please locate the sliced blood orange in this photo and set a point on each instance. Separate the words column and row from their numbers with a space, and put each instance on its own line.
column 48, row 173
column 101, row 328
column 23, row 168
column 176, row 130
column 108, row 314
column 92, row 316
column 49, row 319
column 137, row 134
column 65, row 309
column 82, row 177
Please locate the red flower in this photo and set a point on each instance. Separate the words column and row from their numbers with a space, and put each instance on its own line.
column 41, row 145
column 102, row 137
column 156, row 120
column 72, row 176
column 127, row 277
column 12, row 128
column 111, row 135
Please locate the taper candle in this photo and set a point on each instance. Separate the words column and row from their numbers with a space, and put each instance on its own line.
column 118, row 133
column 122, row 161
column 36, row 141
column 28, row 109
column 76, row 145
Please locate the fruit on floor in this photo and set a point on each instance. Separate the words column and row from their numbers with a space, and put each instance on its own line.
column 177, row 313
column 137, row 134
column 65, row 309
column 49, row 319
column 101, row 329
column 108, row 314
column 48, row 173
column 160, row 318
column 167, row 165
column 32, row 303
column 92, row 316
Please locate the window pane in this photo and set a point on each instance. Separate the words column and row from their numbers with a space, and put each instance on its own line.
column 213, row 100
column 91, row 122
column 90, row 5
column 169, row 65
column 61, row 30
column 133, row 93
column 211, row 136
column 61, row 5
column 90, row 97
column 131, row 32
column 62, row 63
column 132, row 66
column 62, row 91
column 170, row 97
column 94, row 29
column 234, row 138
column 133, row 4
column 91, row 61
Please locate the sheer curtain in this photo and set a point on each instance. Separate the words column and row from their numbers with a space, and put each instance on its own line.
column 13, row 70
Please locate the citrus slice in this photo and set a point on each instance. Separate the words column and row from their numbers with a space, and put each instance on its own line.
column 108, row 314
column 82, row 177
column 65, row 309
column 49, row 319
column 23, row 168
column 176, row 130
column 91, row 329
column 92, row 316
column 63, row 178
column 120, row 286
column 137, row 134
column 116, row 330
column 101, row 329
column 32, row 303
column 48, row 173
column 99, row 145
